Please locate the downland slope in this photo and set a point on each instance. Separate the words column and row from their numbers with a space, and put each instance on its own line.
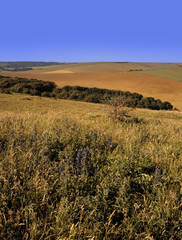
column 171, row 73
column 94, row 66
column 62, row 164
column 162, row 88
column 158, row 80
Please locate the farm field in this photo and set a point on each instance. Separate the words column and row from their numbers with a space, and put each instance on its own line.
column 62, row 164
column 175, row 73
column 157, row 87
column 98, row 66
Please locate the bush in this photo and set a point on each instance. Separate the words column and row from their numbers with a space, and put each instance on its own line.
column 119, row 109
column 45, row 94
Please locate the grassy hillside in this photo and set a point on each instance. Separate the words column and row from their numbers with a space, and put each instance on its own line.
column 92, row 66
column 118, row 66
column 68, row 171
column 175, row 73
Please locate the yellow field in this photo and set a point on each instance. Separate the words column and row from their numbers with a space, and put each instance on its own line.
column 83, row 112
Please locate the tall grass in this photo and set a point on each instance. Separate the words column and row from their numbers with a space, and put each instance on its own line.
column 90, row 177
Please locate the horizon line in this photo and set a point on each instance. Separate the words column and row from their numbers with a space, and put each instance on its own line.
column 92, row 61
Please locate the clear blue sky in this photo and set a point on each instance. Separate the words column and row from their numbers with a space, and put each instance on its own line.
column 91, row 30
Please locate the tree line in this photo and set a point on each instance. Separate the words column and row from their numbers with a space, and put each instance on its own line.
column 36, row 87
column 24, row 66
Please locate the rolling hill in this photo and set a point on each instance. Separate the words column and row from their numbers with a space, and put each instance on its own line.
column 159, row 80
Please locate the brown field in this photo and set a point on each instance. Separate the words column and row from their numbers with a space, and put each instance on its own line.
column 59, row 71
column 153, row 86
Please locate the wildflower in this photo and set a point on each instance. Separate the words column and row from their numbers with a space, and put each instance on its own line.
column 12, row 133
column 47, row 158
column 96, row 171
column 61, row 169
column 78, row 162
column 85, row 157
column 157, row 175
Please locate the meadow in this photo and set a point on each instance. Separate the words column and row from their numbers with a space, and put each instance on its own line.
column 175, row 73
column 69, row 171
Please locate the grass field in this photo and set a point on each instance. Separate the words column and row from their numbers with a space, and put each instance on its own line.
column 175, row 73
column 69, row 171
column 106, row 66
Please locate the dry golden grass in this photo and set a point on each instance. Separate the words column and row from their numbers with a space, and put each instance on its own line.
column 45, row 111
column 36, row 136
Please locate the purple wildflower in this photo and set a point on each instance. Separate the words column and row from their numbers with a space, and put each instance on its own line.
column 157, row 175
column 47, row 158
column 78, row 162
column 12, row 133
column 85, row 160
column 96, row 171
column 61, row 169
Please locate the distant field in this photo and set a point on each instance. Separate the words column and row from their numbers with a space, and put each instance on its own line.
column 175, row 74
column 162, row 88
column 100, row 66
column 159, row 80
column 109, row 66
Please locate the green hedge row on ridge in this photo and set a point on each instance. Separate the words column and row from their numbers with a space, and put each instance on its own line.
column 36, row 87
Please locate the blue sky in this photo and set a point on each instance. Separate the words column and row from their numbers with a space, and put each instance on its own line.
column 91, row 30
